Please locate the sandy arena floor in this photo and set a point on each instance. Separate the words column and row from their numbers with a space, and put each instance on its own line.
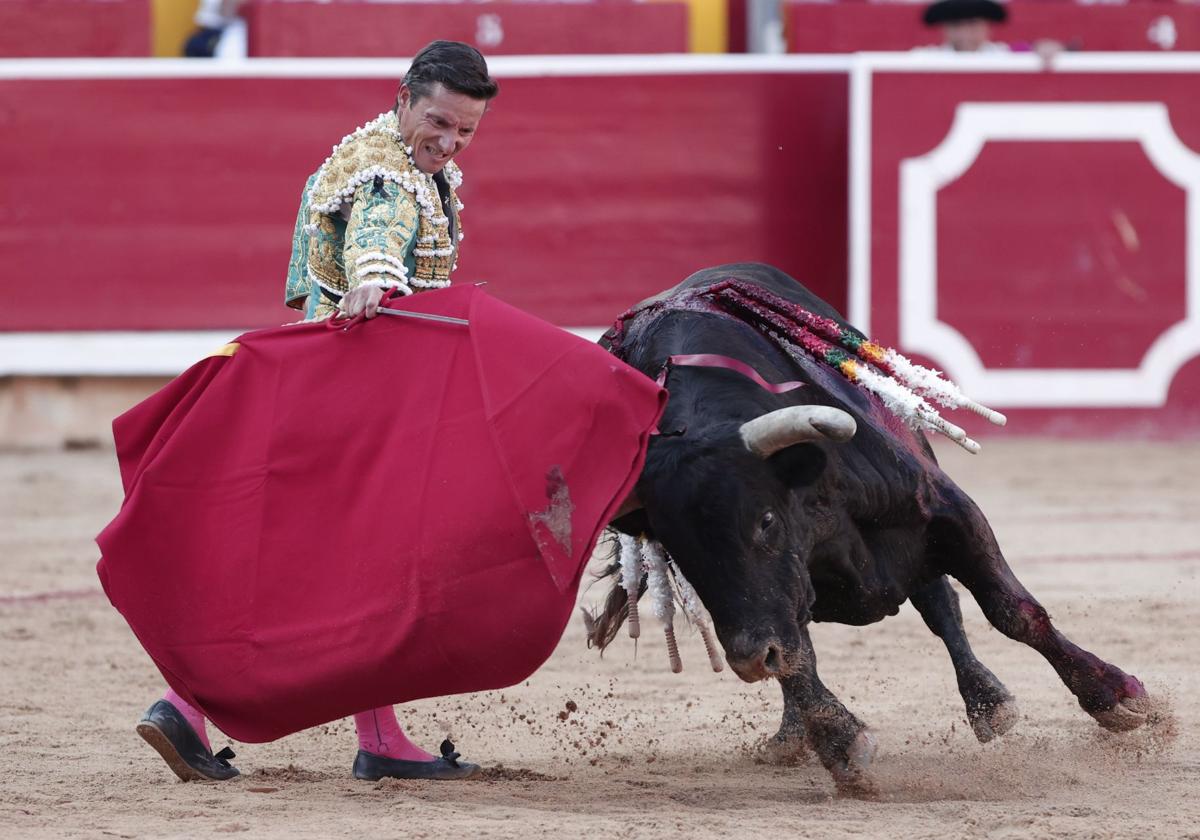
column 1106, row 535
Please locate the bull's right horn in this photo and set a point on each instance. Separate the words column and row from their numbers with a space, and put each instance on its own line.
column 784, row 427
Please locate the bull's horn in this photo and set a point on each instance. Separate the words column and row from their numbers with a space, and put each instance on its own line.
column 766, row 435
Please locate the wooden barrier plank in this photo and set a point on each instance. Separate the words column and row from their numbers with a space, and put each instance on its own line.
column 74, row 28
column 296, row 28
column 168, row 203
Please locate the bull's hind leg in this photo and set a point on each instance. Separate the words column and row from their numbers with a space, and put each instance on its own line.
column 1118, row 701
column 839, row 739
column 991, row 710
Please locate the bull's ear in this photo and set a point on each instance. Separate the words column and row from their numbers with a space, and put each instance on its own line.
column 799, row 465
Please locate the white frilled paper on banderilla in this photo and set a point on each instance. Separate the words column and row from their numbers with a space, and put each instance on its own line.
column 665, row 585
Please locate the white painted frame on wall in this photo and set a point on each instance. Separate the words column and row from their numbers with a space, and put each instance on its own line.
column 976, row 124
column 1147, row 123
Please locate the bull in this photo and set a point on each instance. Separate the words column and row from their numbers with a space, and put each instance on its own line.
column 817, row 504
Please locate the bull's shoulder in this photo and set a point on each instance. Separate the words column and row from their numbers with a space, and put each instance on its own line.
column 880, row 485
column 885, row 486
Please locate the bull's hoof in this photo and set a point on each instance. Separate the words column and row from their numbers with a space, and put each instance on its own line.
column 850, row 774
column 1129, row 714
column 995, row 721
column 784, row 751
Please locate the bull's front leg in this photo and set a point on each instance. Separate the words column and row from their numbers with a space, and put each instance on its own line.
column 991, row 710
column 788, row 746
column 839, row 739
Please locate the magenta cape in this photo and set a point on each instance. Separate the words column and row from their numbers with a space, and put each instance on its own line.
column 333, row 520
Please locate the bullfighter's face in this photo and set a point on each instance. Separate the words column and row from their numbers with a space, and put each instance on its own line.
column 732, row 523
column 437, row 126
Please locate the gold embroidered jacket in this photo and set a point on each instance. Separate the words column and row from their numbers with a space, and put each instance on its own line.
column 368, row 216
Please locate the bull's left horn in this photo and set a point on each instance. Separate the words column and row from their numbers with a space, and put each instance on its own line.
column 766, row 435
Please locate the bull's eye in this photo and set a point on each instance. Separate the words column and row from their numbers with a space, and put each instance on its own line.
column 768, row 520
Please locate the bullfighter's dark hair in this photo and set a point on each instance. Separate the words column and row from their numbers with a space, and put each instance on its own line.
column 456, row 66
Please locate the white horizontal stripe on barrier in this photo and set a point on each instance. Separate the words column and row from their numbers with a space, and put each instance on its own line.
column 516, row 67
column 502, row 67
column 932, row 61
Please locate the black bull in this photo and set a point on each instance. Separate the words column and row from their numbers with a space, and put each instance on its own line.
column 829, row 529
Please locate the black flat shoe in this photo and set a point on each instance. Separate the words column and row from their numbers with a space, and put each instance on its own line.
column 165, row 729
column 371, row 768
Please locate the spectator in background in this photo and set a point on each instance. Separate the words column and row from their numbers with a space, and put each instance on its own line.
column 967, row 24
column 213, row 18
column 967, row 28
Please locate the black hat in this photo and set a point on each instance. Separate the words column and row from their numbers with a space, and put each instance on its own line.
column 948, row 11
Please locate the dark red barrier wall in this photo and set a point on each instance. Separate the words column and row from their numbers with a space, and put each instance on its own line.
column 1061, row 253
column 169, row 203
column 292, row 28
column 74, row 28
column 856, row 26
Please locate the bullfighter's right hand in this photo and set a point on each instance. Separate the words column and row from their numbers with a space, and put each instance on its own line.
column 362, row 300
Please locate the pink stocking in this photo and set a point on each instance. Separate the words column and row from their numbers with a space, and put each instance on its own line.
column 190, row 714
column 379, row 733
